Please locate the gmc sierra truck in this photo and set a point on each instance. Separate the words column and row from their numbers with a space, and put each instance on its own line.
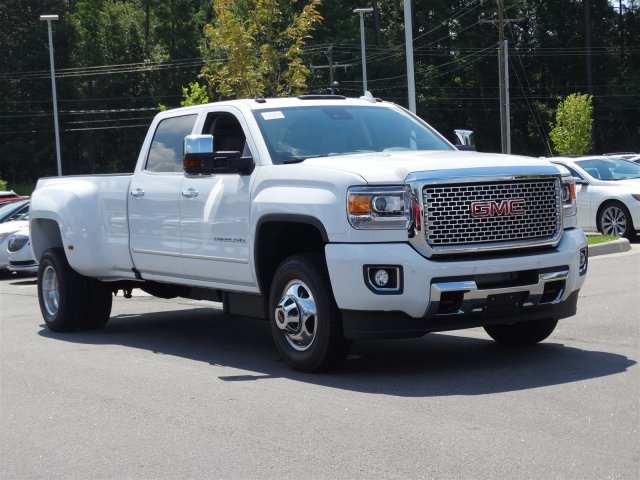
column 334, row 219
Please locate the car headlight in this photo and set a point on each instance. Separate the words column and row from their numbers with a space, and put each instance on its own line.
column 569, row 206
column 377, row 208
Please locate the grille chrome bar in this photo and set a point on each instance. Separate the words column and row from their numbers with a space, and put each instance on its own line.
column 474, row 298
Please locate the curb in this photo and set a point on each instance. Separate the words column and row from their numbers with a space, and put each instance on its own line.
column 616, row 246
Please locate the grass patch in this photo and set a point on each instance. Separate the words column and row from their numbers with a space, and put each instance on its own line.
column 596, row 239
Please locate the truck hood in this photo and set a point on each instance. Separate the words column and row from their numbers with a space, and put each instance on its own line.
column 394, row 167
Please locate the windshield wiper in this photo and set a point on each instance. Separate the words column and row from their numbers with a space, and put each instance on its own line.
column 294, row 160
column 302, row 159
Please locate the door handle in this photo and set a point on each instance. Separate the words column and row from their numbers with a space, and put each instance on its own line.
column 190, row 193
column 138, row 192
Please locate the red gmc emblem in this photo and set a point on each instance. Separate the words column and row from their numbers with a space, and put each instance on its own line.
column 491, row 208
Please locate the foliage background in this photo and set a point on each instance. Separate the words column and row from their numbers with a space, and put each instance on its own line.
column 117, row 60
column 571, row 133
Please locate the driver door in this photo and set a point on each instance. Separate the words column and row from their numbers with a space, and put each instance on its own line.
column 214, row 212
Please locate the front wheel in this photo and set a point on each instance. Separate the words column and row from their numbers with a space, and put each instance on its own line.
column 614, row 219
column 523, row 333
column 305, row 321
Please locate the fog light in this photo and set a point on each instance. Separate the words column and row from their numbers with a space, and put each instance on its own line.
column 584, row 260
column 381, row 278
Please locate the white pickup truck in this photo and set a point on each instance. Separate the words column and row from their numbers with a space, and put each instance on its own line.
column 335, row 219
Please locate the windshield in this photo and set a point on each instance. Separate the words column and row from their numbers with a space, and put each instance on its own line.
column 9, row 210
column 610, row 168
column 296, row 133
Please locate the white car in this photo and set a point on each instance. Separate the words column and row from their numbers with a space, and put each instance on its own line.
column 608, row 194
column 7, row 229
column 19, row 253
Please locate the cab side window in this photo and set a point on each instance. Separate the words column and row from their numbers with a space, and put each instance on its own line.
column 227, row 133
column 165, row 154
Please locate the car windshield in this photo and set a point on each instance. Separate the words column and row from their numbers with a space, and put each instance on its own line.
column 8, row 210
column 610, row 168
column 295, row 133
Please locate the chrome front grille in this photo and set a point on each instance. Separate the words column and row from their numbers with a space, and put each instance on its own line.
column 479, row 214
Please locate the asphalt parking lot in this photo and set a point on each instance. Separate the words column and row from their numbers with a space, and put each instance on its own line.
column 176, row 389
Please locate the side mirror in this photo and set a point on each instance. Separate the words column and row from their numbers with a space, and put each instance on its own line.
column 232, row 161
column 580, row 181
column 464, row 139
column 198, row 155
column 201, row 159
column 466, row 148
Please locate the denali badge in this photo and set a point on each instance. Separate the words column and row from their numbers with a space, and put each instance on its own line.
column 491, row 208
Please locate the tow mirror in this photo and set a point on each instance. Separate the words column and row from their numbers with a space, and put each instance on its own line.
column 201, row 159
column 464, row 139
column 198, row 156
column 232, row 161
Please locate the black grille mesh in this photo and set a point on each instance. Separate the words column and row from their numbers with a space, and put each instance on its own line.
column 448, row 220
column 16, row 243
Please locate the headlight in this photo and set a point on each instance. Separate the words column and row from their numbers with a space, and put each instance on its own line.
column 569, row 207
column 377, row 207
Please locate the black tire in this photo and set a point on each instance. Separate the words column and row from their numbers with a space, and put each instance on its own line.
column 62, row 292
column 524, row 333
column 614, row 219
column 68, row 300
column 312, row 344
column 100, row 302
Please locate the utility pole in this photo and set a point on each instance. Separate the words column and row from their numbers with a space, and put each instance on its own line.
column 620, row 28
column 332, row 68
column 49, row 19
column 503, row 74
column 587, row 45
column 503, row 80
column 408, row 40
column 330, row 57
column 587, row 58
column 361, row 12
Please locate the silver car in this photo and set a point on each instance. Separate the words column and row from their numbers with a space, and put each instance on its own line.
column 19, row 253
column 7, row 229
column 608, row 193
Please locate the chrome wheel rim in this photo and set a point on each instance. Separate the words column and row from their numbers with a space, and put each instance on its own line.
column 50, row 290
column 296, row 315
column 614, row 222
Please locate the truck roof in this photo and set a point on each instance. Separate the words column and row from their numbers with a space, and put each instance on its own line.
column 270, row 103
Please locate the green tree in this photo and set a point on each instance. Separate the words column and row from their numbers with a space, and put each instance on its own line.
column 194, row 94
column 254, row 47
column 571, row 134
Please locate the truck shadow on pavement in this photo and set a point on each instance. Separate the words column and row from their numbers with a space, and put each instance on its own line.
column 439, row 364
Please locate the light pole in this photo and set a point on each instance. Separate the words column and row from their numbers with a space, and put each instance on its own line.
column 408, row 33
column 48, row 19
column 361, row 12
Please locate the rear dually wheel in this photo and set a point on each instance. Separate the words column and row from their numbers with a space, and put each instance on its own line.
column 69, row 301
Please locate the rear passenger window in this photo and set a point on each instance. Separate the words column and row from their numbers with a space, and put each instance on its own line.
column 165, row 154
